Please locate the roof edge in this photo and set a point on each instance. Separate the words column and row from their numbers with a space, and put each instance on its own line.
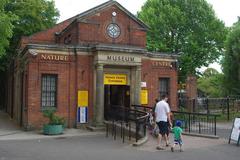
column 102, row 47
column 107, row 4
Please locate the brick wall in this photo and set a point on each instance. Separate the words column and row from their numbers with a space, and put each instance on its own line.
column 45, row 37
column 66, row 91
column 95, row 30
column 92, row 30
column 191, row 87
column 151, row 74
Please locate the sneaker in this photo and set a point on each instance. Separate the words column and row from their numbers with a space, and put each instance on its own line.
column 159, row 148
column 172, row 149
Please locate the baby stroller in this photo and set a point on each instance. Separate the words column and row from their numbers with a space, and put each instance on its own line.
column 150, row 121
column 152, row 126
column 155, row 131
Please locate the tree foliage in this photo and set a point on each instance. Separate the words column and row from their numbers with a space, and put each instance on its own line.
column 33, row 16
column 6, row 19
column 187, row 27
column 30, row 16
column 21, row 18
column 211, row 83
column 231, row 61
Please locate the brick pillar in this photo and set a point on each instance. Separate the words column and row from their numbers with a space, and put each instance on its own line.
column 191, row 91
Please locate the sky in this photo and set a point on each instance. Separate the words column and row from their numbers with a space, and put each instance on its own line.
column 226, row 10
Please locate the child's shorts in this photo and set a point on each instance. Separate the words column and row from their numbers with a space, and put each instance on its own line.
column 178, row 141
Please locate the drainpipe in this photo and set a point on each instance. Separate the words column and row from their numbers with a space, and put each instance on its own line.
column 76, row 78
column 69, row 99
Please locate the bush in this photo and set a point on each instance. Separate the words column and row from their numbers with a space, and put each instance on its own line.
column 53, row 118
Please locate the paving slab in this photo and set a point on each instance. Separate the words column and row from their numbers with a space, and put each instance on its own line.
column 190, row 143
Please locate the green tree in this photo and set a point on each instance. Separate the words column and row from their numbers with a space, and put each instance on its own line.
column 33, row 16
column 187, row 27
column 30, row 16
column 210, row 83
column 231, row 61
column 6, row 19
column 27, row 17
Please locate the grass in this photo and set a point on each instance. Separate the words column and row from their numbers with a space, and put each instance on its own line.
column 223, row 117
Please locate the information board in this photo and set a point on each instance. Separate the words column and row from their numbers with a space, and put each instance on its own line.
column 82, row 109
column 82, row 114
column 115, row 79
column 82, row 98
column 144, row 96
column 235, row 133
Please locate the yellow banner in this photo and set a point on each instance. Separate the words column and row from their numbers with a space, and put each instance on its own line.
column 144, row 96
column 82, row 98
column 115, row 79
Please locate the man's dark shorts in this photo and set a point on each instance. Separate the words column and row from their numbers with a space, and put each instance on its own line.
column 163, row 127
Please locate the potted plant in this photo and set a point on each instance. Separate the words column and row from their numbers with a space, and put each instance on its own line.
column 56, row 123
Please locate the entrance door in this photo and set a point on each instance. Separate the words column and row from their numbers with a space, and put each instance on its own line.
column 115, row 96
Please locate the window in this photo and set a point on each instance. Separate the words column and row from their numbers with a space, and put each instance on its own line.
column 68, row 39
column 49, row 90
column 113, row 30
column 164, row 86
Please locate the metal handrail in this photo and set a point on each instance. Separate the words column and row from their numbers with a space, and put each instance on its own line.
column 197, row 122
column 194, row 113
column 209, row 120
column 127, row 115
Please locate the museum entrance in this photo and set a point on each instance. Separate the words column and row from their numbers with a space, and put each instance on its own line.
column 115, row 97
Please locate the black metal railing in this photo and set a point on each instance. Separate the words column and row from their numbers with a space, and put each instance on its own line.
column 126, row 121
column 197, row 122
column 226, row 106
column 132, row 122
column 201, row 123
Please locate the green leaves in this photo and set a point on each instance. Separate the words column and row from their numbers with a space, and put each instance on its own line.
column 53, row 118
column 22, row 18
column 187, row 27
column 231, row 61
column 6, row 27
column 33, row 16
column 211, row 83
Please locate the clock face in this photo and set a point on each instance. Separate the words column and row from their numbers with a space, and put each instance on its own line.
column 113, row 30
column 114, row 14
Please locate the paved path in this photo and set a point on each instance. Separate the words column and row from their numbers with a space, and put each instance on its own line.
column 7, row 126
column 190, row 142
column 224, row 129
column 99, row 147
column 10, row 131
column 81, row 144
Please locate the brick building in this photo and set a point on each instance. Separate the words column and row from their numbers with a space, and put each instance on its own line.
column 86, row 64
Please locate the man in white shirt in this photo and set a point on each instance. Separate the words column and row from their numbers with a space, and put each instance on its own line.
column 162, row 115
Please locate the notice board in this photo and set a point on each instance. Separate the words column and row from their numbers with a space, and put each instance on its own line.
column 82, row 109
column 115, row 79
column 144, row 96
column 235, row 132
